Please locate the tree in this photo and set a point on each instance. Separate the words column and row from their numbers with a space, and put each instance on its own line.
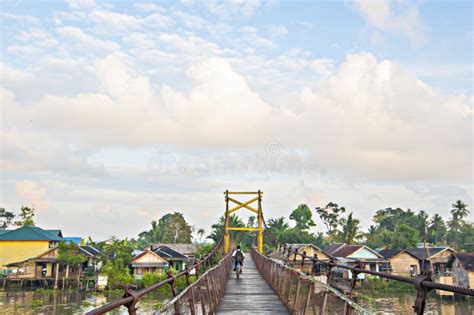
column 6, row 218
column 459, row 210
column 26, row 217
column 398, row 228
column 405, row 236
column 330, row 215
column 422, row 224
column 201, row 233
column 350, row 230
column 251, row 221
column 456, row 224
column 437, row 229
column 171, row 228
column 371, row 236
column 116, row 254
column 68, row 255
column 303, row 217
column 218, row 228
column 277, row 225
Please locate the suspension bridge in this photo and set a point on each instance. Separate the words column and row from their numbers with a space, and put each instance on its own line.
column 268, row 286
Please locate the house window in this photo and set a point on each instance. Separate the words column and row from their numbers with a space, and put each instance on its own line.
column 413, row 270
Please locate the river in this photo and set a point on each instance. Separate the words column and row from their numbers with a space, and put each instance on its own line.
column 72, row 302
column 67, row 302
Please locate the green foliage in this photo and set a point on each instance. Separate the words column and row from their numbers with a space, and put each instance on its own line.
column 171, row 228
column 204, row 249
column 378, row 285
column 120, row 252
column 234, row 221
column 37, row 303
column 437, row 230
column 295, row 235
column 397, row 228
column 68, row 254
column 151, row 278
column 6, row 218
column 350, row 230
column 26, row 217
column 330, row 215
column 118, row 274
column 158, row 305
column 303, row 217
column 116, row 255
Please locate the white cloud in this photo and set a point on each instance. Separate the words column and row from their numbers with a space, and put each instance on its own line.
column 33, row 194
column 393, row 16
column 87, row 41
column 9, row 74
column 110, row 22
column 323, row 66
column 148, row 6
column 233, row 8
column 158, row 20
column 276, row 31
column 252, row 38
column 367, row 113
column 193, row 22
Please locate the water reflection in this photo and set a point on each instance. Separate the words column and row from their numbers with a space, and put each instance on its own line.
column 403, row 304
column 72, row 302
column 67, row 302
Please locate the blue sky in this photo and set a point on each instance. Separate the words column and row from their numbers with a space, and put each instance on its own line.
column 124, row 111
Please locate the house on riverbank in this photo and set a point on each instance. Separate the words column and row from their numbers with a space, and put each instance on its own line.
column 400, row 262
column 25, row 242
column 46, row 265
column 462, row 268
column 352, row 254
column 435, row 258
column 148, row 262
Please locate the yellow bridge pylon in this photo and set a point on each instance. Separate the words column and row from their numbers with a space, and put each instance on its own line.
column 246, row 205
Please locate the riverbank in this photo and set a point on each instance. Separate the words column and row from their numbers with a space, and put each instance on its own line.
column 69, row 301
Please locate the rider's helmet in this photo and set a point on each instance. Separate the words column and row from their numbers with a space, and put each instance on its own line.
column 238, row 246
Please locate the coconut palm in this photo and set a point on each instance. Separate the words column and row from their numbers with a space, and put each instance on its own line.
column 437, row 229
column 459, row 210
column 350, row 229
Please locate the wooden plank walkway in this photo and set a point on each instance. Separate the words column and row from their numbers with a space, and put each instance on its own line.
column 250, row 294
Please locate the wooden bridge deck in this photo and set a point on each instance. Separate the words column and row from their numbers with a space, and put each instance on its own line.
column 250, row 294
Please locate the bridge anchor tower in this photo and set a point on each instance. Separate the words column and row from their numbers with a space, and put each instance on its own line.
column 229, row 197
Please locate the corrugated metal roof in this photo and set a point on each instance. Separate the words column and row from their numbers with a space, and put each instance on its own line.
column 425, row 253
column 185, row 249
column 466, row 260
column 388, row 253
column 156, row 265
column 31, row 233
column 333, row 247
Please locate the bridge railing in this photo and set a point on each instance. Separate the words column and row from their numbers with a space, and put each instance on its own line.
column 202, row 296
column 300, row 293
column 132, row 297
column 423, row 283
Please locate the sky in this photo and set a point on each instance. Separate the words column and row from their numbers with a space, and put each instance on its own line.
column 115, row 113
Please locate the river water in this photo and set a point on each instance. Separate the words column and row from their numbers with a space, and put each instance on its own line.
column 67, row 302
column 71, row 302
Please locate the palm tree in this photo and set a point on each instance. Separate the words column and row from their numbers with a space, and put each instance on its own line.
column 200, row 233
column 437, row 229
column 278, row 224
column 459, row 210
column 350, row 229
column 218, row 228
column 251, row 221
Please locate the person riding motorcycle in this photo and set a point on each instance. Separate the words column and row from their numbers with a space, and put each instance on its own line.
column 239, row 257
